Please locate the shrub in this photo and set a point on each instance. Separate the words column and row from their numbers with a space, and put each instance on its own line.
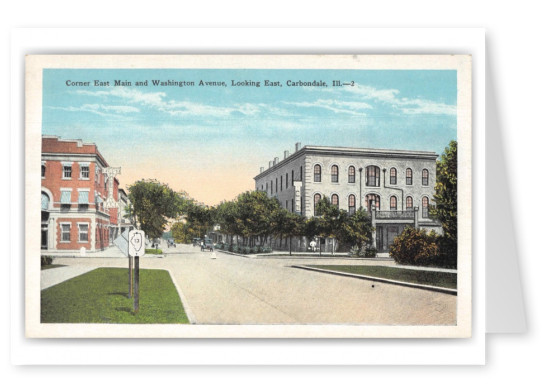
column 46, row 260
column 415, row 247
column 354, row 251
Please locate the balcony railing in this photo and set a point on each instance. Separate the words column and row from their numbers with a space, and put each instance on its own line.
column 394, row 215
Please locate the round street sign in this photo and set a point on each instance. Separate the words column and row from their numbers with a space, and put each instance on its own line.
column 136, row 243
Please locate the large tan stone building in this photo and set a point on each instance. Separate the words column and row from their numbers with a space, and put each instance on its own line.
column 396, row 186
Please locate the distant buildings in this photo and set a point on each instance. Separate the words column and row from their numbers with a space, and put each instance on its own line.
column 81, row 204
column 395, row 186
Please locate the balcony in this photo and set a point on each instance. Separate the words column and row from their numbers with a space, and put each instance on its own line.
column 394, row 215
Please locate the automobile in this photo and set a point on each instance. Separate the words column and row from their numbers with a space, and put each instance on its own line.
column 170, row 243
column 196, row 242
column 207, row 245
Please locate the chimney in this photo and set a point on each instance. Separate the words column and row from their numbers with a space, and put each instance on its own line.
column 276, row 160
column 297, row 147
column 261, row 169
column 270, row 164
column 285, row 154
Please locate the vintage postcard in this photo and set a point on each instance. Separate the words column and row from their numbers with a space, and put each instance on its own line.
column 248, row 196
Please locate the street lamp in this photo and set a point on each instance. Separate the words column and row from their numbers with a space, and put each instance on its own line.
column 360, row 170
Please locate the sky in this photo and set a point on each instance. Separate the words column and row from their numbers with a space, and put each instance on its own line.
column 211, row 140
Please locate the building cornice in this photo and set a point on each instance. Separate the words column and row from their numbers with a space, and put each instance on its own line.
column 361, row 153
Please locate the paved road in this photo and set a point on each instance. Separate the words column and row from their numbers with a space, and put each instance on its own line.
column 237, row 290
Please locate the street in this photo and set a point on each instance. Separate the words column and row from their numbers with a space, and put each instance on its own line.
column 266, row 290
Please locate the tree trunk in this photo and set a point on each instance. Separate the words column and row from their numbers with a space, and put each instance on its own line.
column 290, row 244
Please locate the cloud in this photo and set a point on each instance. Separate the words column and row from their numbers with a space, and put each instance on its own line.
column 336, row 106
column 101, row 110
column 392, row 98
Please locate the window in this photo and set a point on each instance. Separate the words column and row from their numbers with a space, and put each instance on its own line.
column 409, row 203
column 292, row 176
column 393, row 203
column 373, row 176
column 287, row 204
column 67, row 171
column 45, row 204
column 65, row 197
column 97, row 174
column 373, row 200
column 351, row 174
column 425, row 207
column 300, row 174
column 276, row 185
column 281, row 183
column 351, row 204
column 65, row 232
column 84, row 172
column 334, row 174
column 317, row 199
column 409, row 176
column 335, row 200
column 293, row 205
column 287, row 180
column 317, row 173
column 83, row 232
column 43, row 170
column 425, row 177
column 392, row 176
column 271, row 187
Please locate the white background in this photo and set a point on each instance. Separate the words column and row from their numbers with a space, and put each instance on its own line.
column 517, row 50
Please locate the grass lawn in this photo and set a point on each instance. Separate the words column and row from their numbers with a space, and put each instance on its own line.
column 153, row 251
column 100, row 296
column 439, row 279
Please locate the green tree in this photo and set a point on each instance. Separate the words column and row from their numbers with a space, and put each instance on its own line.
column 357, row 230
column 445, row 200
column 153, row 203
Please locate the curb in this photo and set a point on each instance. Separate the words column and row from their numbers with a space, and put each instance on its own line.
column 237, row 255
column 191, row 317
column 378, row 279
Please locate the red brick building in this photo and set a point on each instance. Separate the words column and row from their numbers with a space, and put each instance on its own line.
column 79, row 197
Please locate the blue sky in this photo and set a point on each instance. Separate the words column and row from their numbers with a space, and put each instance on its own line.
column 211, row 140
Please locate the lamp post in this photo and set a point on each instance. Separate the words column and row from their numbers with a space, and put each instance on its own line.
column 360, row 170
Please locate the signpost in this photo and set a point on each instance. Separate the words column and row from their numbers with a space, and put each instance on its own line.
column 132, row 244
column 136, row 248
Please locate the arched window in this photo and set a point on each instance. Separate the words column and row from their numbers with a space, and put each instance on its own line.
column 409, row 203
column 409, row 176
column 45, row 204
column 373, row 176
column 393, row 202
column 373, row 200
column 425, row 177
column 335, row 199
column 392, row 176
column 426, row 207
column 43, row 170
column 317, row 173
column 351, row 174
column 317, row 198
column 351, row 204
column 334, row 174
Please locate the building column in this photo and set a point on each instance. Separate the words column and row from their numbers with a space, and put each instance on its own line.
column 51, row 233
column 93, row 237
column 374, row 225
